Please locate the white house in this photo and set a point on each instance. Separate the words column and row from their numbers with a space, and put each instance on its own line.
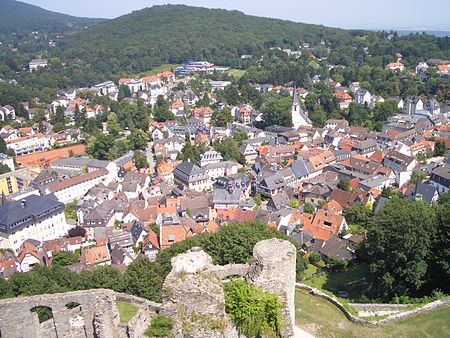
column 76, row 187
column 37, row 63
column 29, row 144
column 33, row 217
column 363, row 96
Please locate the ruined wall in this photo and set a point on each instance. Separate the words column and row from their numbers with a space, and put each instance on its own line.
column 195, row 293
column 96, row 315
column 194, row 298
column 275, row 271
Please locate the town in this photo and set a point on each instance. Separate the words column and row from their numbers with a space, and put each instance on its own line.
column 201, row 169
column 208, row 173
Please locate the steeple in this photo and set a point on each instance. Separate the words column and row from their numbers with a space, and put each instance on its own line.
column 295, row 104
column 299, row 117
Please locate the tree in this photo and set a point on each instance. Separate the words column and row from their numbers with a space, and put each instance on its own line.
column 397, row 247
column 417, row 176
column 293, row 203
column 344, row 184
column 192, row 152
column 439, row 271
column 90, row 126
column 160, row 326
column 65, row 258
column 4, row 169
column 231, row 95
column 3, row 147
column 229, row 149
column 58, row 119
column 162, row 114
column 240, row 136
column 78, row 116
column 309, row 208
column 143, row 279
column 138, row 139
column 99, row 146
column 222, row 118
column 255, row 313
column 258, row 200
column 440, row 148
column 124, row 92
column 112, row 124
column 277, row 111
column 140, row 160
column 359, row 214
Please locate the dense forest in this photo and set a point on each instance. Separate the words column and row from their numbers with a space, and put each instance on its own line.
column 20, row 20
column 172, row 34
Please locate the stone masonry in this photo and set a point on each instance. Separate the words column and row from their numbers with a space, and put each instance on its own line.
column 194, row 298
column 195, row 293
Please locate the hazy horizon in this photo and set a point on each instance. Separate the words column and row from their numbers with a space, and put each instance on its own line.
column 346, row 14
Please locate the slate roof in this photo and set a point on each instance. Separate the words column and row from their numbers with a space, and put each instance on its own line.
column 16, row 215
column 427, row 191
column 136, row 231
column 274, row 181
column 278, row 202
column 300, row 168
column 188, row 172
column 224, row 196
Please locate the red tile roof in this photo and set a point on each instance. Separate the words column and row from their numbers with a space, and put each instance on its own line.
column 58, row 186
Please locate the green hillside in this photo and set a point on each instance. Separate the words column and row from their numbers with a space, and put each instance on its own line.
column 19, row 19
column 172, row 34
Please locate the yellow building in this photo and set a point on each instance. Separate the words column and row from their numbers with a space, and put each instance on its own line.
column 18, row 180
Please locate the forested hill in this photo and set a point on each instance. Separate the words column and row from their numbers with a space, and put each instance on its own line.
column 19, row 19
column 176, row 33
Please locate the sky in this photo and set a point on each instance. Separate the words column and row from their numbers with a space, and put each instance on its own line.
column 367, row 14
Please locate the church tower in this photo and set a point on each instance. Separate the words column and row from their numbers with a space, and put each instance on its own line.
column 299, row 117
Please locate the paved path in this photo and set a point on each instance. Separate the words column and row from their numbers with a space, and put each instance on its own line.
column 299, row 333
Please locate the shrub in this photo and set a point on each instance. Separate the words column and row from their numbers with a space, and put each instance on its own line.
column 254, row 312
column 160, row 326
column 314, row 258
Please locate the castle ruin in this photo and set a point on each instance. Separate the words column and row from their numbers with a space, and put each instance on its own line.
column 194, row 298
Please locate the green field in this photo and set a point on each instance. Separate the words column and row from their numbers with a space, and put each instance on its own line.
column 323, row 319
column 159, row 69
column 126, row 310
column 237, row 73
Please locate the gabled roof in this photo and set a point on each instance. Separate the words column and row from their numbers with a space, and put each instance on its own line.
column 171, row 234
column 150, row 239
column 344, row 198
column 58, row 186
column 95, row 255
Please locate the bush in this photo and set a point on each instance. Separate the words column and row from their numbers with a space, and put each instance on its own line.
column 254, row 312
column 160, row 326
column 314, row 258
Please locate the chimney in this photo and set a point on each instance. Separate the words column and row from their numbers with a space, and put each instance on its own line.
column 23, row 203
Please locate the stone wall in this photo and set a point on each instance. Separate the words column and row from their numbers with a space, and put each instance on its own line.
column 195, row 293
column 96, row 315
column 370, row 310
column 194, row 298
column 425, row 308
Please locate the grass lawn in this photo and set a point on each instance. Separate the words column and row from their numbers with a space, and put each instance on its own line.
column 159, row 69
column 351, row 280
column 356, row 229
column 237, row 73
column 310, row 271
column 323, row 319
column 127, row 311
